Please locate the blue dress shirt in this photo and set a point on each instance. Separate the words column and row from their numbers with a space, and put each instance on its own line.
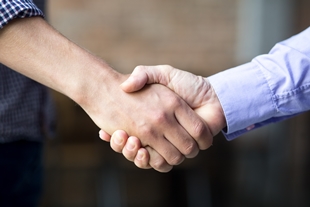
column 270, row 88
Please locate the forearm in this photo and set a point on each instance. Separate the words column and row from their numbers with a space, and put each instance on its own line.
column 33, row 48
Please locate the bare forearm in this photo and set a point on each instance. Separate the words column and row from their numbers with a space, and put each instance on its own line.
column 32, row 47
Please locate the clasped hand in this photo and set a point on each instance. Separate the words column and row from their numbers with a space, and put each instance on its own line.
column 197, row 92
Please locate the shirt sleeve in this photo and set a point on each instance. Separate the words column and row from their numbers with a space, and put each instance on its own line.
column 270, row 88
column 17, row 9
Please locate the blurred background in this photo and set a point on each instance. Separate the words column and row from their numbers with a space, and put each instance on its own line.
column 267, row 167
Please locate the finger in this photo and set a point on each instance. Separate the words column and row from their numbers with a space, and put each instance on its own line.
column 175, row 132
column 136, row 80
column 104, row 136
column 142, row 159
column 118, row 140
column 168, row 150
column 195, row 126
column 183, row 142
column 157, row 161
column 131, row 148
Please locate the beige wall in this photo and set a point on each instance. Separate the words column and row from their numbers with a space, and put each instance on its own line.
column 196, row 35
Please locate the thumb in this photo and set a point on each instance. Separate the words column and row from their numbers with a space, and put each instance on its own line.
column 142, row 75
column 136, row 80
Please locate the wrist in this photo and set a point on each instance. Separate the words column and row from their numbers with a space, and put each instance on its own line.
column 222, row 120
column 99, row 79
column 213, row 111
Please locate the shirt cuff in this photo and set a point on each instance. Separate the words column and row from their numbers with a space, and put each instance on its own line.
column 17, row 9
column 245, row 98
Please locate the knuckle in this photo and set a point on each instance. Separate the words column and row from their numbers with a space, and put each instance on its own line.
column 191, row 149
column 173, row 101
column 199, row 129
column 146, row 132
column 176, row 160
column 159, row 164
column 159, row 117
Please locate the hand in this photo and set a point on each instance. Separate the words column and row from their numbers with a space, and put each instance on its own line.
column 160, row 118
column 195, row 90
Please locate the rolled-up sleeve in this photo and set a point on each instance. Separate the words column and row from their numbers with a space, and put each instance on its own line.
column 17, row 9
column 270, row 88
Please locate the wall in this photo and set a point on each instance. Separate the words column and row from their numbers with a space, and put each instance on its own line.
column 199, row 36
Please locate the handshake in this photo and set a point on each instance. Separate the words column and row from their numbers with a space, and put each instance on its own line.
column 171, row 115
column 165, row 114
column 159, row 115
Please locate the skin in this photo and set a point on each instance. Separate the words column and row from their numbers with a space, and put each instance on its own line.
column 195, row 90
column 163, row 121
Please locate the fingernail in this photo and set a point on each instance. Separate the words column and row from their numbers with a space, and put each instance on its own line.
column 100, row 134
column 130, row 146
column 140, row 155
column 118, row 140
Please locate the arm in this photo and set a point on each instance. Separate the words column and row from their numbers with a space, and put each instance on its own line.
column 33, row 48
column 270, row 88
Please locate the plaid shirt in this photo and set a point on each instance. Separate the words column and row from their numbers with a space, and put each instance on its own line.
column 26, row 109
column 17, row 9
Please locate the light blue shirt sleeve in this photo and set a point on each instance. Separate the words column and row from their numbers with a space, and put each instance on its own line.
column 270, row 88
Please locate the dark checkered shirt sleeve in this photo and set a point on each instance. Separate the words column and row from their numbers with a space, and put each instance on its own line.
column 26, row 107
column 17, row 9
